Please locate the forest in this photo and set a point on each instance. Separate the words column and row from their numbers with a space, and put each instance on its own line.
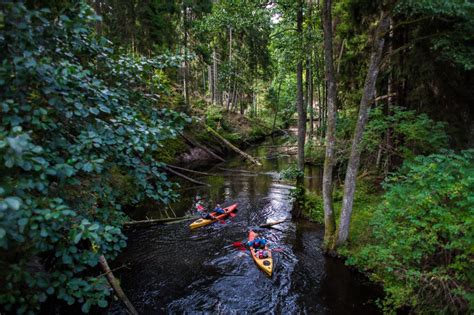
column 110, row 108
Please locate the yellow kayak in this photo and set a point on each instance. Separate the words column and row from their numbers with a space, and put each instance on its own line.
column 266, row 264
column 203, row 222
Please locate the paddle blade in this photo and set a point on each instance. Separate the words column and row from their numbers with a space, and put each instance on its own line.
column 222, row 222
column 232, row 214
column 237, row 244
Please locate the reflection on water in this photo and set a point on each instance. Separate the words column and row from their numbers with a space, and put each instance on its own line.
column 175, row 270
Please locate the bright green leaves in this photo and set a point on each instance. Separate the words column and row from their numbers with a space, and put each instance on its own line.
column 423, row 234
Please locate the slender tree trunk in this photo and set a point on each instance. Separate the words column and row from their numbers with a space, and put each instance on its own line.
column 310, row 97
column 214, row 76
column 276, row 107
column 300, row 107
column 388, row 110
column 309, row 71
column 185, row 68
column 318, row 87
column 340, row 55
column 367, row 98
column 210, row 83
column 229, row 83
column 329, row 218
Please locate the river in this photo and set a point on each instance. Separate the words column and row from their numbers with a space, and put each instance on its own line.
column 171, row 269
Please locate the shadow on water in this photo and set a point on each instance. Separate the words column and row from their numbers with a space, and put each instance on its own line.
column 174, row 270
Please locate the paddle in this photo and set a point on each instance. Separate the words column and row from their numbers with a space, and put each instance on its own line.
column 277, row 250
column 239, row 246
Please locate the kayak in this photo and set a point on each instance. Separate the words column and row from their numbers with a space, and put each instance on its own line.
column 203, row 222
column 266, row 264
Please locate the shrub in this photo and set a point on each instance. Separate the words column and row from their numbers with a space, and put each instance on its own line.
column 290, row 174
column 423, row 235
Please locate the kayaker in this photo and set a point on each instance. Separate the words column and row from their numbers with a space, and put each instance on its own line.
column 199, row 207
column 218, row 209
column 207, row 216
column 257, row 243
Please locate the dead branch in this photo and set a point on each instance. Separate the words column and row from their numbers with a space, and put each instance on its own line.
column 233, row 147
column 185, row 177
column 116, row 286
column 164, row 220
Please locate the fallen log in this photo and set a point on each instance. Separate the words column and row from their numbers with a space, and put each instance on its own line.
column 185, row 177
column 270, row 224
column 197, row 144
column 164, row 220
column 182, row 220
column 236, row 170
column 233, row 147
column 116, row 286
column 188, row 170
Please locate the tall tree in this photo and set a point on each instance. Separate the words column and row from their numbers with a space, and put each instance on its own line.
column 300, row 107
column 329, row 219
column 367, row 99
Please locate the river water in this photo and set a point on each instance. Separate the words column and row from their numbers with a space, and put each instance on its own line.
column 173, row 270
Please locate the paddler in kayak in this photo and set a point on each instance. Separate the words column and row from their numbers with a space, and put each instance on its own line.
column 259, row 244
column 218, row 209
column 202, row 211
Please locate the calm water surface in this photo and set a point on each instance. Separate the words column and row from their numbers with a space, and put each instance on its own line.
column 173, row 270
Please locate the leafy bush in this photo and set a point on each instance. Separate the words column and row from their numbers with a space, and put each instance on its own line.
column 315, row 154
column 291, row 173
column 313, row 207
column 214, row 116
column 77, row 126
column 422, row 239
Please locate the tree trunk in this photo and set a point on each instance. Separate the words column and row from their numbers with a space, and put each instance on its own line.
column 300, row 107
column 388, row 109
column 309, row 71
column 367, row 98
column 210, row 83
column 319, row 80
column 277, row 106
column 214, row 77
column 185, row 68
column 329, row 218
column 229, row 83
column 310, row 97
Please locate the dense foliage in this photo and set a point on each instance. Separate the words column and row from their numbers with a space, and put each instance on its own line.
column 80, row 126
column 423, row 235
column 86, row 125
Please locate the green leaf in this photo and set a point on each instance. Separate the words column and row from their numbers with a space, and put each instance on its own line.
column 13, row 202
column 94, row 227
column 86, row 307
column 77, row 238
column 94, row 111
